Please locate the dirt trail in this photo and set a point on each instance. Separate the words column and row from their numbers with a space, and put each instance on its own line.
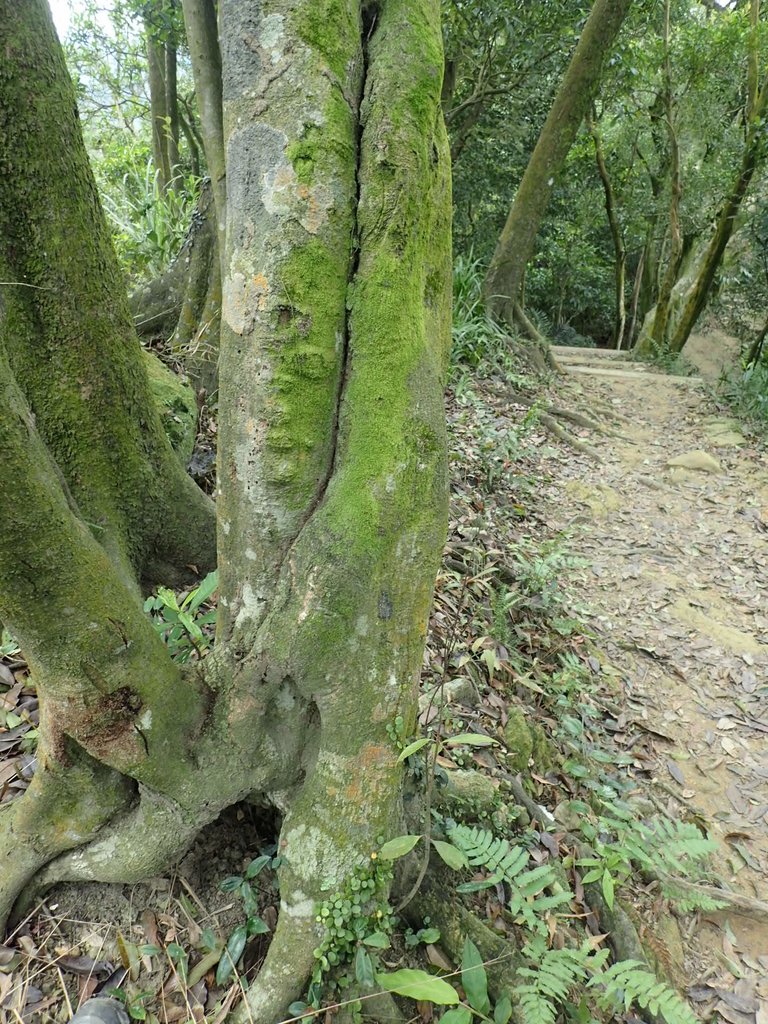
column 677, row 581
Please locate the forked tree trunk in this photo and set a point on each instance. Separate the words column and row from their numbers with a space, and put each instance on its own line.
column 576, row 92
column 332, row 499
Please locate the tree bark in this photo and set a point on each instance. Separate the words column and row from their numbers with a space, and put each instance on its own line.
column 576, row 92
column 172, row 106
column 332, row 499
column 66, row 326
column 658, row 331
column 753, row 60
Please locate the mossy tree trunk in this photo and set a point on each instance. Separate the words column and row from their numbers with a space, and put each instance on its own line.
column 184, row 303
column 332, row 498
column 576, row 92
column 752, row 158
column 203, row 38
column 67, row 332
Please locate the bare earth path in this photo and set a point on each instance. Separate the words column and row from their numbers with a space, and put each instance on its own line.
column 677, row 581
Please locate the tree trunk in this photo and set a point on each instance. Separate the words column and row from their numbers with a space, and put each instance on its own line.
column 203, row 39
column 658, row 331
column 172, row 106
column 576, row 92
column 619, row 249
column 158, row 103
column 332, row 497
column 183, row 305
column 753, row 157
column 67, row 330
column 753, row 60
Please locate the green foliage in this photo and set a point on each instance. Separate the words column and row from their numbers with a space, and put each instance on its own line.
column 552, row 976
column 567, row 335
column 9, row 648
column 356, row 923
column 746, row 392
column 148, row 223
column 507, row 863
column 673, row 363
column 185, row 627
column 477, row 339
column 629, row 983
column 665, row 848
column 242, row 886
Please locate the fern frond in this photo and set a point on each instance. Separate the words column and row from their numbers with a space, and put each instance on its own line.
column 688, row 901
column 630, row 982
column 484, row 849
column 549, row 984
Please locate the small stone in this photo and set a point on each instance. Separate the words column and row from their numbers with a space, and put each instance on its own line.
column 698, row 460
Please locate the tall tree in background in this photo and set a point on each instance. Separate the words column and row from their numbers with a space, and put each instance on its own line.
column 161, row 31
column 576, row 92
column 332, row 499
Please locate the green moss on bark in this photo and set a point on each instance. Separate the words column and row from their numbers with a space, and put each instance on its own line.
column 178, row 408
column 67, row 327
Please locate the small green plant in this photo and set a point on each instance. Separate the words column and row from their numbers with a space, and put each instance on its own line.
column 550, row 975
column 182, row 625
column 746, row 391
column 9, row 648
column 148, row 223
column 506, row 863
column 242, row 886
column 357, row 923
column 666, row 849
column 673, row 363
column 133, row 1001
column 477, row 338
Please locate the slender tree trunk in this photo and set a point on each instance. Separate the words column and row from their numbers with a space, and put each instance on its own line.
column 753, row 157
column 158, row 104
column 619, row 249
column 576, row 92
column 203, row 39
column 332, row 499
column 753, row 60
column 658, row 331
column 172, row 106
column 756, row 351
column 192, row 144
column 630, row 334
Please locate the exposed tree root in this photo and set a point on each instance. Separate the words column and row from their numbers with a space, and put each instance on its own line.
column 562, row 434
column 550, row 414
column 457, row 923
column 585, row 421
column 745, row 906
column 63, row 808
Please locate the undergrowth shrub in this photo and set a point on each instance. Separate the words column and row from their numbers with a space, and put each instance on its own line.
column 746, row 391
